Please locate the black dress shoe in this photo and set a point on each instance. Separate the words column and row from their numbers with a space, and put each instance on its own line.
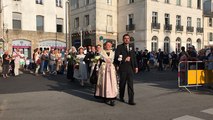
column 132, row 103
column 122, row 100
column 112, row 103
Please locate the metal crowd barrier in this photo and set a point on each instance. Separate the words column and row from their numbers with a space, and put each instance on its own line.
column 194, row 74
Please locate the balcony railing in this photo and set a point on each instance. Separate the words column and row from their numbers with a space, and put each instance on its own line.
column 167, row 27
column 179, row 28
column 190, row 29
column 199, row 30
column 130, row 27
column 155, row 25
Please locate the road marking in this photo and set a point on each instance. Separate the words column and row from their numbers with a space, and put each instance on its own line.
column 188, row 117
column 3, row 107
column 209, row 111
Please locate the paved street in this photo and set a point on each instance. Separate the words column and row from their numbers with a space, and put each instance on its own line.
column 29, row 97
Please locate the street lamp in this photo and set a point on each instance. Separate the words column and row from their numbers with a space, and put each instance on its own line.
column 66, row 19
column 56, row 34
column 81, row 37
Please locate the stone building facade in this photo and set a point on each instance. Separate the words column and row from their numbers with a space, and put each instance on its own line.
column 164, row 24
column 1, row 29
column 153, row 24
column 95, row 19
column 208, row 23
column 30, row 24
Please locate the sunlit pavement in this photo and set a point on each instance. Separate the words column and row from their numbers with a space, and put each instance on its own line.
column 29, row 97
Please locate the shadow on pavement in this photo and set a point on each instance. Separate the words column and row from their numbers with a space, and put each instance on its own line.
column 63, row 84
column 28, row 82
column 163, row 79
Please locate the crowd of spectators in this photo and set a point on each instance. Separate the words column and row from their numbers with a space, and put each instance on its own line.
column 56, row 61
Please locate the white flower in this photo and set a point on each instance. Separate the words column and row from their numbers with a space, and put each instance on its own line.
column 119, row 59
column 97, row 57
column 130, row 48
column 68, row 56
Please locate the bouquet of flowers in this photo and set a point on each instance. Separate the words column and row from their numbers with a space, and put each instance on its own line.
column 77, row 63
column 68, row 56
column 96, row 59
column 71, row 58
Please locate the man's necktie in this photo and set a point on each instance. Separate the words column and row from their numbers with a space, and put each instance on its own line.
column 127, row 48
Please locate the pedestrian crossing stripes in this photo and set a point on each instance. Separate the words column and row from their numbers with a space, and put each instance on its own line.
column 208, row 111
column 188, row 117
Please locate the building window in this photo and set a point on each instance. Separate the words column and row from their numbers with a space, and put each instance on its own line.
column 39, row 2
column 189, row 3
column 178, row 20
column 167, row 21
column 110, row 24
column 154, row 44
column 86, row 2
column 130, row 19
column 166, row 1
column 39, row 23
column 198, row 4
column 178, row 2
column 75, row 4
column 178, row 45
column 198, row 44
column 16, row 20
column 76, row 22
column 109, row 20
column 131, row 1
column 59, row 24
column 210, row 36
column 58, row 3
column 154, row 17
column 198, row 23
column 86, row 20
column 189, row 21
column 210, row 22
column 109, row 2
column 166, row 45
column 188, row 43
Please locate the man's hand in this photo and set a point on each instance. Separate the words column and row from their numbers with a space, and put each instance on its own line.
column 136, row 70
column 127, row 59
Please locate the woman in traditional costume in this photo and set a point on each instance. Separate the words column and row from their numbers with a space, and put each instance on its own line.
column 71, row 62
column 80, row 67
column 107, row 87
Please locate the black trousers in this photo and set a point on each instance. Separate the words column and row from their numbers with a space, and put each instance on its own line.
column 126, row 77
column 5, row 69
column 145, row 66
column 70, row 71
column 160, row 67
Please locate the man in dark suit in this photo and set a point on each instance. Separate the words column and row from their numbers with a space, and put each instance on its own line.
column 90, row 54
column 126, row 61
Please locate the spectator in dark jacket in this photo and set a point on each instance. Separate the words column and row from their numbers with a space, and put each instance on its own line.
column 160, row 60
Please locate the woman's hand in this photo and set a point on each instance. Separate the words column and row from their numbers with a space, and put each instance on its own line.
column 108, row 61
